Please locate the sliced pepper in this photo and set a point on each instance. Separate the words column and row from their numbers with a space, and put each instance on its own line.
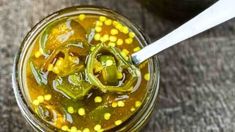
column 109, row 72
column 73, row 86
column 68, row 66
column 50, row 114
column 90, row 35
column 40, row 77
column 44, row 112
column 78, row 47
column 98, row 113
column 59, row 32
column 98, row 66
column 122, row 65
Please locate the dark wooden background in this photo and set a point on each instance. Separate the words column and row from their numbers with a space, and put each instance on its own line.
column 197, row 90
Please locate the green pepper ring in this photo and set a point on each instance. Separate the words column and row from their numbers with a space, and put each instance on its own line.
column 122, row 63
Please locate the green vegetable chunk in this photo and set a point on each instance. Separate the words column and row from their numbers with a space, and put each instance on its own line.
column 59, row 32
column 109, row 72
column 132, row 72
column 69, row 64
column 39, row 76
column 72, row 86
column 90, row 35
column 44, row 112
column 98, row 113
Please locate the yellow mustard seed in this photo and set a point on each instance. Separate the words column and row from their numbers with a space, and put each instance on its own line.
column 108, row 22
column 114, row 104
column 97, row 36
column 86, row 130
column 115, row 23
column 124, row 55
column 98, row 99
column 73, row 129
column 119, row 42
column 113, row 38
column 97, row 127
column 125, row 51
column 37, row 54
column 119, row 27
column 114, row 31
column 137, row 104
column 36, row 102
column 102, row 39
column 131, row 34
column 98, row 29
column 40, row 99
column 136, row 49
column 50, row 67
column 79, row 131
column 105, row 38
column 99, row 23
column 111, row 44
column 118, row 122
column 125, row 30
column 65, row 128
column 132, row 109
column 82, row 17
column 147, row 76
column 107, row 116
column 128, row 40
column 47, row 97
column 70, row 109
column 109, row 63
column 102, row 18
column 81, row 111
column 121, row 104
column 119, row 75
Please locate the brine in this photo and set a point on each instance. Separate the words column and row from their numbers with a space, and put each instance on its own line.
column 79, row 76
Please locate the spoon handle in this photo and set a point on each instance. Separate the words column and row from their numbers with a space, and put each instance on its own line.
column 221, row 11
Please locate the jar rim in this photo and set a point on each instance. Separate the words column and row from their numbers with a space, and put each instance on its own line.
column 138, row 119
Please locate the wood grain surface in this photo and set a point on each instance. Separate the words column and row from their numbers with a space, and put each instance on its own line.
column 197, row 90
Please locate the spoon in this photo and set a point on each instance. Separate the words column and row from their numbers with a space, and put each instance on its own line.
column 221, row 11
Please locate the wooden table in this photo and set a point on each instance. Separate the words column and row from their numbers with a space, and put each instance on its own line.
column 197, row 90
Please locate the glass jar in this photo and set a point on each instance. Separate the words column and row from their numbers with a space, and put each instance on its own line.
column 177, row 10
column 135, row 123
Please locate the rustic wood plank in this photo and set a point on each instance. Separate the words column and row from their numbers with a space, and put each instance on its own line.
column 197, row 77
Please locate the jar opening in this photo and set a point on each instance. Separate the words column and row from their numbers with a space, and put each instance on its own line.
column 134, row 122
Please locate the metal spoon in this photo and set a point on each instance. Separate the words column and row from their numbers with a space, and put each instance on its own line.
column 221, row 11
